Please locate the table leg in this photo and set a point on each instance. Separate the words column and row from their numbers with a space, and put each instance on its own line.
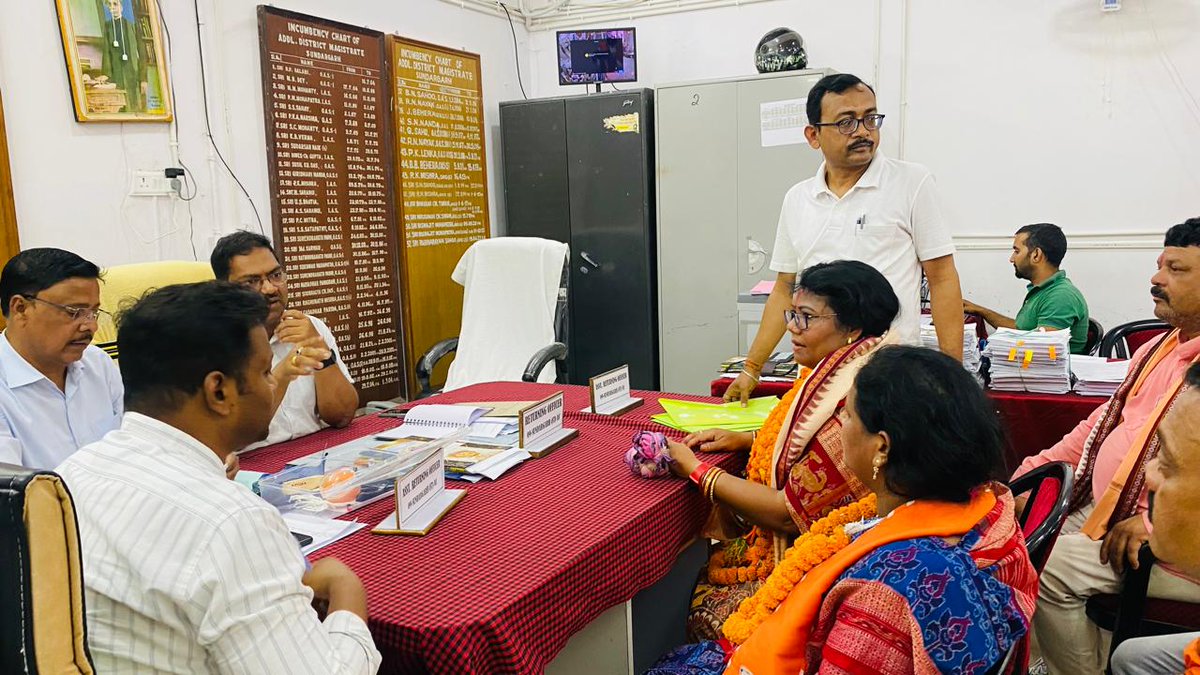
column 632, row 636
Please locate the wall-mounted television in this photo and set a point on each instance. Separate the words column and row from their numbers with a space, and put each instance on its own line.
column 587, row 56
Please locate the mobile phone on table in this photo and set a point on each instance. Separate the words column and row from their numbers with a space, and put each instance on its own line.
column 303, row 539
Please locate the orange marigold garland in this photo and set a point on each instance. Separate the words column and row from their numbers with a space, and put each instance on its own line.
column 749, row 558
column 826, row 537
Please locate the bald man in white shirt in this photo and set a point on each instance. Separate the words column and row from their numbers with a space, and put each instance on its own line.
column 186, row 571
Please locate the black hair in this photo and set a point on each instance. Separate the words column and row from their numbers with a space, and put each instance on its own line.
column 1047, row 237
column 946, row 438
column 830, row 83
column 1184, row 234
column 861, row 297
column 173, row 337
column 232, row 245
column 1193, row 375
column 34, row 270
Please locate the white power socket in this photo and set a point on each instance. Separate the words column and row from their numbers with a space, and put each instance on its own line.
column 150, row 184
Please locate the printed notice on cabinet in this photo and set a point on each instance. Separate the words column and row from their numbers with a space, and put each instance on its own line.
column 783, row 122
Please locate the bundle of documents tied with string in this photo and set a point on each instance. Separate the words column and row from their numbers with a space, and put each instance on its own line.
column 1033, row 361
column 690, row 416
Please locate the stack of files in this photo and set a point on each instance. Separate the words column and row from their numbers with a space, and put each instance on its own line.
column 972, row 357
column 473, row 462
column 1097, row 376
column 780, row 367
column 1033, row 361
column 690, row 416
column 433, row 420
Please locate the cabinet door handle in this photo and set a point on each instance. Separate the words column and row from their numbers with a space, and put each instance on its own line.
column 756, row 256
column 588, row 258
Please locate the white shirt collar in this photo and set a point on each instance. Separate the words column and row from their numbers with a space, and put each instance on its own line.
column 18, row 372
column 173, row 441
column 871, row 178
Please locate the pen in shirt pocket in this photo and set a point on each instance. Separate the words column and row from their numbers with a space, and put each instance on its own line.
column 862, row 220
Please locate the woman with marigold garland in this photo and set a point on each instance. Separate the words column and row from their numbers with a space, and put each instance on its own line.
column 928, row 574
column 796, row 473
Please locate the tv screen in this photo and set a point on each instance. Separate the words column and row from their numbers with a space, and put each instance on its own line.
column 588, row 56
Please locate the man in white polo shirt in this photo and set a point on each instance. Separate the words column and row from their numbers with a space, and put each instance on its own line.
column 860, row 206
column 315, row 389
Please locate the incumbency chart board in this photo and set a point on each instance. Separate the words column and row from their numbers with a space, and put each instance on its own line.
column 441, row 182
column 326, row 99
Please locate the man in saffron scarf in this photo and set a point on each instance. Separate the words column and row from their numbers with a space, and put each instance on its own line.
column 1110, row 450
column 938, row 582
column 841, row 312
column 1174, row 479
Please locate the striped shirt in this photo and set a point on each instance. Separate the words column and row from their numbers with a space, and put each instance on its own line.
column 187, row 572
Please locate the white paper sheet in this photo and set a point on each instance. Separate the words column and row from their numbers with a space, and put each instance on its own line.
column 324, row 531
column 783, row 122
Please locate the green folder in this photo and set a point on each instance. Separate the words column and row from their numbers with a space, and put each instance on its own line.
column 691, row 416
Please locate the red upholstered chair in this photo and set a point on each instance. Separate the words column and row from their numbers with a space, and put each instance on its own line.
column 1122, row 341
column 1131, row 614
column 1049, row 488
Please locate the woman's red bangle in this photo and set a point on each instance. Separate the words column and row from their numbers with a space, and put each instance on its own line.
column 698, row 475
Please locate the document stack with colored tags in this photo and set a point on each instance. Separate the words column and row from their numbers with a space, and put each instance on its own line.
column 1033, row 361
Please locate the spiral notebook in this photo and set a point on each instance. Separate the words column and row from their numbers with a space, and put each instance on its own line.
column 434, row 420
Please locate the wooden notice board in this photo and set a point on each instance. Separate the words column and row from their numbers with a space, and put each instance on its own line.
column 326, row 97
column 441, row 182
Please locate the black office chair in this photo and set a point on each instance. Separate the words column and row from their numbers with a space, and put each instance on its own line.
column 1122, row 341
column 1095, row 334
column 555, row 351
column 42, row 627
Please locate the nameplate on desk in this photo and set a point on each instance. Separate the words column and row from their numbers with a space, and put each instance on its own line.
column 540, row 426
column 422, row 484
column 609, row 393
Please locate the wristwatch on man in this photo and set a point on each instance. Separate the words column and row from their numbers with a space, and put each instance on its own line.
column 329, row 361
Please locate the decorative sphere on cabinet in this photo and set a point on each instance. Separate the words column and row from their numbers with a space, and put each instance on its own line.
column 780, row 49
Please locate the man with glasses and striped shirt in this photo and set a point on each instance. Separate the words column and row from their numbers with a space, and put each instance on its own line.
column 185, row 571
column 58, row 392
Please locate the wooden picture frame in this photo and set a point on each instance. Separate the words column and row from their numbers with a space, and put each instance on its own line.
column 115, row 60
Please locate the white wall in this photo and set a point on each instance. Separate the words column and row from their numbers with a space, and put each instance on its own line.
column 1026, row 112
column 70, row 179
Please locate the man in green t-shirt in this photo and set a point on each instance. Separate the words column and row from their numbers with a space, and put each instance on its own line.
column 1051, row 301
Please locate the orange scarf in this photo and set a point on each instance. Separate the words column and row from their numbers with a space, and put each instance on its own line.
column 778, row 645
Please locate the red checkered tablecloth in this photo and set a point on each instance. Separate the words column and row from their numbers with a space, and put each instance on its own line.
column 521, row 563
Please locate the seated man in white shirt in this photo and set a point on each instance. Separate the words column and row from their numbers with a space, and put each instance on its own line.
column 185, row 571
column 57, row 391
column 305, row 404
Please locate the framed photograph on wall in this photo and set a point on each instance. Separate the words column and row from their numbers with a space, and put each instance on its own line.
column 115, row 60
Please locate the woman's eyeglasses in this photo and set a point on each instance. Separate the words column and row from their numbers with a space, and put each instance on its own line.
column 803, row 319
